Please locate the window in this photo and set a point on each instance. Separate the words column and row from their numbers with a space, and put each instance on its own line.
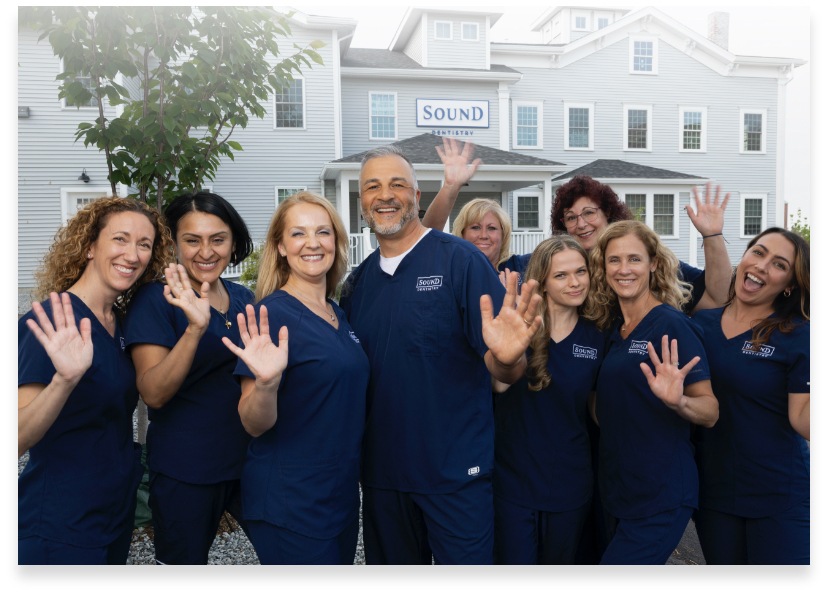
column 637, row 128
column 86, row 83
column 73, row 200
column 692, row 129
column 469, row 31
column 580, row 23
column 383, row 115
column 528, row 127
column 657, row 210
column 528, row 211
column 752, row 131
column 602, row 22
column 578, row 126
column 289, row 105
column 637, row 203
column 664, row 214
column 283, row 193
column 442, row 30
column 643, row 55
column 753, row 214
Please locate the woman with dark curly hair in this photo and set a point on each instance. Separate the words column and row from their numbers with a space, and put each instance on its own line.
column 646, row 406
column 584, row 207
column 195, row 443
column 543, row 479
column 754, row 464
column 76, row 387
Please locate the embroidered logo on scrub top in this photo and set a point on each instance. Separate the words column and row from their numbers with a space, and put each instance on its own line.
column 638, row 347
column 429, row 283
column 123, row 344
column 762, row 351
column 584, row 352
column 353, row 336
column 474, row 471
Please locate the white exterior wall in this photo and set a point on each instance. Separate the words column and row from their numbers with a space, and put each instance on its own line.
column 457, row 53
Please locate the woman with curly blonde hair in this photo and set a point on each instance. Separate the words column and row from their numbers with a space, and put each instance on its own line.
column 304, row 406
column 76, row 387
column 543, row 478
column 646, row 405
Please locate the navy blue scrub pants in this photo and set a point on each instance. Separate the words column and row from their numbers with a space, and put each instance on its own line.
column 409, row 528
column 36, row 550
column 276, row 545
column 780, row 539
column 649, row 540
column 186, row 516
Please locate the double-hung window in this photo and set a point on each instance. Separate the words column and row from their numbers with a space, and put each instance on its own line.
column 383, row 116
column 289, row 105
column 638, row 129
column 752, row 214
column 528, row 125
column 692, row 129
column 285, row 192
column 753, row 130
column 578, row 126
column 657, row 209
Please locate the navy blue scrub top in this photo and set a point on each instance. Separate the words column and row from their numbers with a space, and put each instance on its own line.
column 197, row 436
column 430, row 422
column 542, row 448
column 83, row 474
column 303, row 473
column 752, row 463
column 646, row 463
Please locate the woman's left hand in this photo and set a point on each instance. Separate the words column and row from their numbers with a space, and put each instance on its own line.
column 668, row 381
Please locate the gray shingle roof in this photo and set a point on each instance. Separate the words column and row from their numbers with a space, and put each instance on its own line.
column 421, row 149
column 615, row 168
column 376, row 58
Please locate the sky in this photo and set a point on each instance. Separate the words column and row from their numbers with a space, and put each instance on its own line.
column 770, row 31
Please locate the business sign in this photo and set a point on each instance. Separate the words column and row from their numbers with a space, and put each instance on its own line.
column 452, row 113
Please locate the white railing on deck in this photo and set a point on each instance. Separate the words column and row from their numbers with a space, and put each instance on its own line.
column 525, row 242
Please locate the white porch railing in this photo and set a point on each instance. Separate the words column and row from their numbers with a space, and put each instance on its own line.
column 525, row 242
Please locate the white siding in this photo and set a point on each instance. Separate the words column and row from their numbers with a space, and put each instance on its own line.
column 456, row 53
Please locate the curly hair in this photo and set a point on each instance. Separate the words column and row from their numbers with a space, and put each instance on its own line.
column 538, row 269
column 665, row 285
column 786, row 308
column 274, row 269
column 65, row 261
column 579, row 186
column 473, row 211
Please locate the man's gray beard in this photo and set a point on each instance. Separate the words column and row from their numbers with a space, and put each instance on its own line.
column 390, row 229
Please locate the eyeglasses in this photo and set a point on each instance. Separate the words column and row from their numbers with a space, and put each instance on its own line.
column 588, row 215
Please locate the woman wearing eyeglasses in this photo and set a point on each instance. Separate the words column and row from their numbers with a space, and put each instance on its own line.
column 584, row 207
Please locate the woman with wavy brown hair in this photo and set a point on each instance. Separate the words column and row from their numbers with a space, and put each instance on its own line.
column 646, row 404
column 543, row 479
column 76, row 387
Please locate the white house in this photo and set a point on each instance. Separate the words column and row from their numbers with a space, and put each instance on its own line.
column 634, row 99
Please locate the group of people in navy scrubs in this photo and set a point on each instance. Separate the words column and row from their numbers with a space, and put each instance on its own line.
column 553, row 408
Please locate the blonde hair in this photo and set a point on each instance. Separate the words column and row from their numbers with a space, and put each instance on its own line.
column 274, row 270
column 538, row 268
column 473, row 211
column 664, row 281
column 65, row 261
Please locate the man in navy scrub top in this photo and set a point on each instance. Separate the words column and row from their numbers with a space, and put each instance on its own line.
column 416, row 305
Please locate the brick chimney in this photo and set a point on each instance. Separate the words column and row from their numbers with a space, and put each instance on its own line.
column 717, row 28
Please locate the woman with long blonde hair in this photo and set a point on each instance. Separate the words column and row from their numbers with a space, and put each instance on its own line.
column 304, row 406
column 543, row 479
column 76, row 389
column 646, row 404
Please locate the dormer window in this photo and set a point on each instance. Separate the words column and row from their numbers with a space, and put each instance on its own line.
column 580, row 23
column 443, row 30
column 469, row 31
column 643, row 55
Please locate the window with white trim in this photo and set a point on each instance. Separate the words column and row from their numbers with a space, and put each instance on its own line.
column 86, row 83
column 752, row 214
column 527, row 211
column 579, row 22
column 289, row 105
column 383, row 116
column 601, row 22
column 657, row 209
column 73, row 200
column 643, row 55
column 286, row 192
column 752, row 127
column 638, row 127
column 443, row 30
column 527, row 132
column 469, row 31
column 578, row 126
column 692, row 129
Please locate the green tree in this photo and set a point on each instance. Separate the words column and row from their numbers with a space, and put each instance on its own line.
column 195, row 74
column 800, row 225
